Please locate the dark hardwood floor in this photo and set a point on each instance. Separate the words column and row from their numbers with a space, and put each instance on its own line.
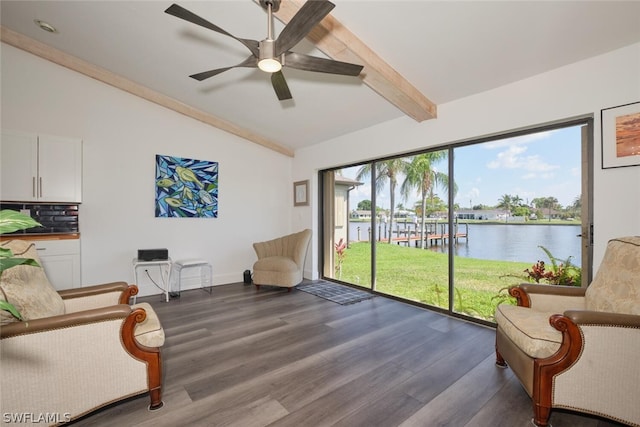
column 241, row 357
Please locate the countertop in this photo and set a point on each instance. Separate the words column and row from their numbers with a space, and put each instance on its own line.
column 32, row 237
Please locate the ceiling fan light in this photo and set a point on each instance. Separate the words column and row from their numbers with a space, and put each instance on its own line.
column 267, row 61
column 269, row 65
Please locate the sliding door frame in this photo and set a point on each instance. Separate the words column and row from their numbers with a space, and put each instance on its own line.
column 587, row 162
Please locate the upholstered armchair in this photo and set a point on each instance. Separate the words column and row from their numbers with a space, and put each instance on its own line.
column 75, row 350
column 577, row 348
column 281, row 261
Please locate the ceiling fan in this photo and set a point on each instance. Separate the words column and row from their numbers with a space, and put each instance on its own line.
column 270, row 54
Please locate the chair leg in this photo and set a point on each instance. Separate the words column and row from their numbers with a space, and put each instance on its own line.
column 150, row 355
column 154, row 372
column 289, row 289
column 500, row 362
column 541, row 415
column 257, row 286
column 156, row 400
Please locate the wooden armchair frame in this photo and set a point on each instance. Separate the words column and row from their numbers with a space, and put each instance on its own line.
column 574, row 325
column 108, row 309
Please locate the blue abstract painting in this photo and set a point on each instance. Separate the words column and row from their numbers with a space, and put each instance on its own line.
column 186, row 188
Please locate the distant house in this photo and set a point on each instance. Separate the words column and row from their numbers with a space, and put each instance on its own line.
column 554, row 214
column 405, row 216
column 360, row 214
column 481, row 214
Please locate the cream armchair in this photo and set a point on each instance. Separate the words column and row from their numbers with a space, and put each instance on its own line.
column 577, row 348
column 76, row 350
column 281, row 261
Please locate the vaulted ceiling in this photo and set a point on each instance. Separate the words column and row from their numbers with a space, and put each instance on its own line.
column 416, row 54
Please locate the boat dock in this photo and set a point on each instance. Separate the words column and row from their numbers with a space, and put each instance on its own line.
column 436, row 234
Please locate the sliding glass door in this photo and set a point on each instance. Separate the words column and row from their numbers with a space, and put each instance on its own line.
column 410, row 217
column 453, row 228
column 518, row 216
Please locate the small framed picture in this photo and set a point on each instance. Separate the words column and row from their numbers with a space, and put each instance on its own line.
column 621, row 136
column 301, row 193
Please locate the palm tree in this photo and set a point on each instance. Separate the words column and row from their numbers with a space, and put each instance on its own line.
column 576, row 207
column 538, row 202
column 577, row 202
column 423, row 177
column 505, row 203
column 387, row 169
column 550, row 203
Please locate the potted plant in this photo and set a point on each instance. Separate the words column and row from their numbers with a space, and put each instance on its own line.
column 11, row 221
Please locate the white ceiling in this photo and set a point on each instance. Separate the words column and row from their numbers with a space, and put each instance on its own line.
column 447, row 50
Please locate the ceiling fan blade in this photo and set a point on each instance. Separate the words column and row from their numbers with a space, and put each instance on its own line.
column 312, row 12
column 206, row 74
column 280, row 86
column 320, row 65
column 182, row 13
column 249, row 62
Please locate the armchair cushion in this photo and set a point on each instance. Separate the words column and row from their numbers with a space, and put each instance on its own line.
column 529, row 330
column 614, row 287
column 27, row 287
column 149, row 332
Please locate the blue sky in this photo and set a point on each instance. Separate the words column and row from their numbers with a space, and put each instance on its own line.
column 544, row 164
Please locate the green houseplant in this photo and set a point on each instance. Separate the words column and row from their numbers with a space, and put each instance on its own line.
column 11, row 221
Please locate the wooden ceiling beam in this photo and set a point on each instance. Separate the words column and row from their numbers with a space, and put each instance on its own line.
column 337, row 42
column 56, row 56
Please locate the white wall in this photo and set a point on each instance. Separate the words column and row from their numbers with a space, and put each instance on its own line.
column 580, row 89
column 121, row 135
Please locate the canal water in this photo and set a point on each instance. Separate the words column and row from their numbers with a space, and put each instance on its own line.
column 508, row 242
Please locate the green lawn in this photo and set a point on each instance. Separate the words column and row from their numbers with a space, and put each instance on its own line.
column 422, row 276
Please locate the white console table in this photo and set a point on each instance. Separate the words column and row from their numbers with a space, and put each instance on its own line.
column 165, row 270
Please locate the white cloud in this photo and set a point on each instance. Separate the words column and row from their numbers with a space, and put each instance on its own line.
column 362, row 192
column 474, row 193
column 508, row 159
column 513, row 158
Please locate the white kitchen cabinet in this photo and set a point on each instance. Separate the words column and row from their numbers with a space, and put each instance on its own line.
column 61, row 262
column 40, row 168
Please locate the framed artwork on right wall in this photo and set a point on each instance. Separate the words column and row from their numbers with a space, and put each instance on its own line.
column 620, row 128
